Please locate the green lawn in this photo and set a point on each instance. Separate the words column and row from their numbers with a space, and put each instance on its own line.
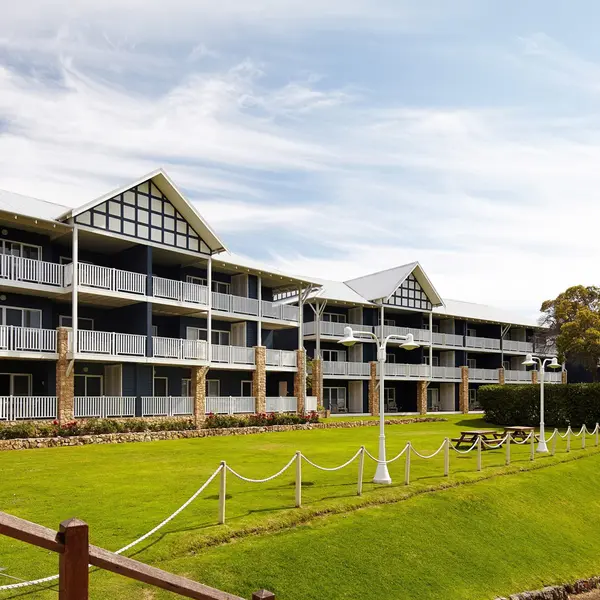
column 122, row 491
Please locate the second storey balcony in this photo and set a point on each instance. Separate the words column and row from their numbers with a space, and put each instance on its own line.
column 27, row 341
column 27, row 273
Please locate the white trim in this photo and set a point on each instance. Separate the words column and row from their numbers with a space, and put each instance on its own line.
column 166, row 380
column 12, row 385
column 22, row 309
column 210, row 382
column 246, row 381
column 87, row 376
column 22, row 244
column 79, row 320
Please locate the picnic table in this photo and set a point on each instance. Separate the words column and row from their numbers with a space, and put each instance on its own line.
column 519, row 431
column 471, row 436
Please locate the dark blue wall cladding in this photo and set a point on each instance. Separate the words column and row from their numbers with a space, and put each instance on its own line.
column 412, row 357
column 268, row 336
column 311, row 348
column 406, row 394
column 366, row 396
column 406, row 319
column 370, row 316
column 273, row 379
column 460, row 358
column 50, row 252
column 133, row 259
column 267, row 293
column 489, row 330
column 253, row 287
column 252, row 333
column 285, row 339
column 195, row 271
column 43, row 374
column 460, row 327
column 231, row 381
column 46, row 305
column 90, row 368
column 369, row 352
column 336, row 310
column 174, row 376
column 486, row 360
column 127, row 319
column 457, row 397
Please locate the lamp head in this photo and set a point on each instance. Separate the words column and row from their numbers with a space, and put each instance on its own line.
column 554, row 364
column 528, row 362
column 348, row 339
column 409, row 343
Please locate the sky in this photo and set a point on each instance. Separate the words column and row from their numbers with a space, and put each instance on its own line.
column 331, row 138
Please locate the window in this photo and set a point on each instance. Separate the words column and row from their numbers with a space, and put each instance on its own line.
column 82, row 322
column 334, row 318
column 247, row 389
column 472, row 363
column 434, row 328
column 506, row 365
column 391, row 358
column 433, row 399
column 410, row 295
column 389, row 322
column 154, row 330
column 20, row 249
column 471, row 333
column 219, row 337
column 333, row 355
column 335, row 399
column 213, row 387
column 15, row 384
column 20, row 317
column 473, row 403
column 435, row 362
column 88, row 385
column 186, row 387
column 389, row 399
column 196, row 280
column 220, row 287
column 160, row 386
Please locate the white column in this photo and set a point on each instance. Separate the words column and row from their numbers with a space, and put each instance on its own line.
column 431, row 344
column 259, row 337
column 75, row 289
column 209, row 315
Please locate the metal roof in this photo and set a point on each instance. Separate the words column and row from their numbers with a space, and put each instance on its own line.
column 30, row 207
column 482, row 312
column 383, row 284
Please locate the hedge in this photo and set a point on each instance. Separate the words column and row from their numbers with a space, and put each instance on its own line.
column 564, row 404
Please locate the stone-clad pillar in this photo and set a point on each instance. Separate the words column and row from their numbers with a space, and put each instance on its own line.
column 65, row 384
column 422, row 397
column 300, row 380
column 463, row 390
column 373, row 396
column 534, row 376
column 198, row 390
column 317, row 380
column 563, row 377
column 501, row 376
column 259, row 379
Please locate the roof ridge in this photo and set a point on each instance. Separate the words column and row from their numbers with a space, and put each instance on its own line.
column 414, row 262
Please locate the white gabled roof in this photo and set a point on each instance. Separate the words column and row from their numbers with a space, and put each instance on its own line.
column 383, row 284
column 482, row 312
column 30, row 207
column 167, row 187
column 338, row 291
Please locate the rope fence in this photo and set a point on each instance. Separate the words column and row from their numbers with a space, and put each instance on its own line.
column 479, row 445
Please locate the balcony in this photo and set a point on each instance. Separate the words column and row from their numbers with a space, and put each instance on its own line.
column 179, row 291
column 111, row 343
column 420, row 335
column 95, row 277
column 167, row 406
column 553, row 377
column 27, row 339
column 281, row 358
column 179, row 349
column 482, row 343
column 15, row 408
column 449, row 373
column 27, row 270
column 235, row 304
column 330, row 329
column 484, row 375
column 102, row 407
column 230, row 405
column 232, row 355
column 346, row 369
column 406, row 371
column 514, row 376
column 448, row 339
column 514, row 346
column 282, row 404
column 281, row 312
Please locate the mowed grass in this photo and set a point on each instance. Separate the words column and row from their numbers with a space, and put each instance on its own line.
column 122, row 491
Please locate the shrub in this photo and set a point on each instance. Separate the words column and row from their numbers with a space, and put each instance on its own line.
column 259, row 420
column 564, row 404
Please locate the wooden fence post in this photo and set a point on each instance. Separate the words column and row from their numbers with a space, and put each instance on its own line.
column 222, row 492
column 407, row 465
column 361, row 468
column 479, row 453
column 298, row 479
column 554, row 440
column 532, row 446
column 507, row 460
column 74, row 574
column 447, row 458
column 263, row 595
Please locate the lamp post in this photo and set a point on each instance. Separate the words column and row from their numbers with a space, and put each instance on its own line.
column 552, row 363
column 408, row 343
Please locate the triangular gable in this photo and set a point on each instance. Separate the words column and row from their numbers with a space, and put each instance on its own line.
column 153, row 210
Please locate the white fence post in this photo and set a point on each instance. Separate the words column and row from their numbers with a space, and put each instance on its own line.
column 222, row 492
column 361, row 466
column 447, row 458
column 554, row 440
column 507, row 460
column 407, row 465
column 298, row 479
column 479, row 453
column 532, row 446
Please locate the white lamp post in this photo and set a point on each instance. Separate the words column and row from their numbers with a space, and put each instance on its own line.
column 552, row 363
column 408, row 343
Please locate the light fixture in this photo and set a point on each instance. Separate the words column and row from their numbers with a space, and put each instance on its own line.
column 529, row 362
column 409, row 343
column 348, row 339
column 554, row 364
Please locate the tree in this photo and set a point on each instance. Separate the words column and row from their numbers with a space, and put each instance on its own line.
column 573, row 321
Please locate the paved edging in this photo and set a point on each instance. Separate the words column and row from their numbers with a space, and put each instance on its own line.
column 558, row 592
column 151, row 436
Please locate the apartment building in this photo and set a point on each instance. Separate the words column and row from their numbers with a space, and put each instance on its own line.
column 461, row 345
column 130, row 305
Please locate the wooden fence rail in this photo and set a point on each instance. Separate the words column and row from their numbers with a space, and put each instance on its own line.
column 76, row 554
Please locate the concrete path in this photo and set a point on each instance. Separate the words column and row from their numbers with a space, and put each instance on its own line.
column 595, row 595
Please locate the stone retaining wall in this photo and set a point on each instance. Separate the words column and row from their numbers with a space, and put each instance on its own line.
column 558, row 592
column 151, row 436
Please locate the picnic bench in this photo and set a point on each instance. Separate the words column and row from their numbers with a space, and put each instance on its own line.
column 468, row 438
column 520, row 432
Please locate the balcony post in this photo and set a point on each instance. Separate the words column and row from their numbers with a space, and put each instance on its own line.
column 198, row 385
column 422, row 396
column 300, row 380
column 501, row 376
column 563, row 376
column 65, row 378
column 317, row 380
column 534, row 376
column 463, row 390
column 259, row 379
column 373, row 397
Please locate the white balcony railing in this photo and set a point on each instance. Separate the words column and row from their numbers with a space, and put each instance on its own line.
column 490, row 375
column 448, row 339
column 15, row 268
column 514, row 346
column 333, row 329
column 446, row 373
column 552, row 376
column 88, row 407
column 230, row 405
column 13, row 408
column 282, row 404
column 482, row 343
column 354, row 369
column 234, row 304
column 420, row 335
column 180, row 349
column 27, row 339
column 283, row 312
column 181, row 291
column 515, row 375
column 233, row 355
column 106, row 278
column 167, row 406
column 406, row 371
column 281, row 358
column 111, row 343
